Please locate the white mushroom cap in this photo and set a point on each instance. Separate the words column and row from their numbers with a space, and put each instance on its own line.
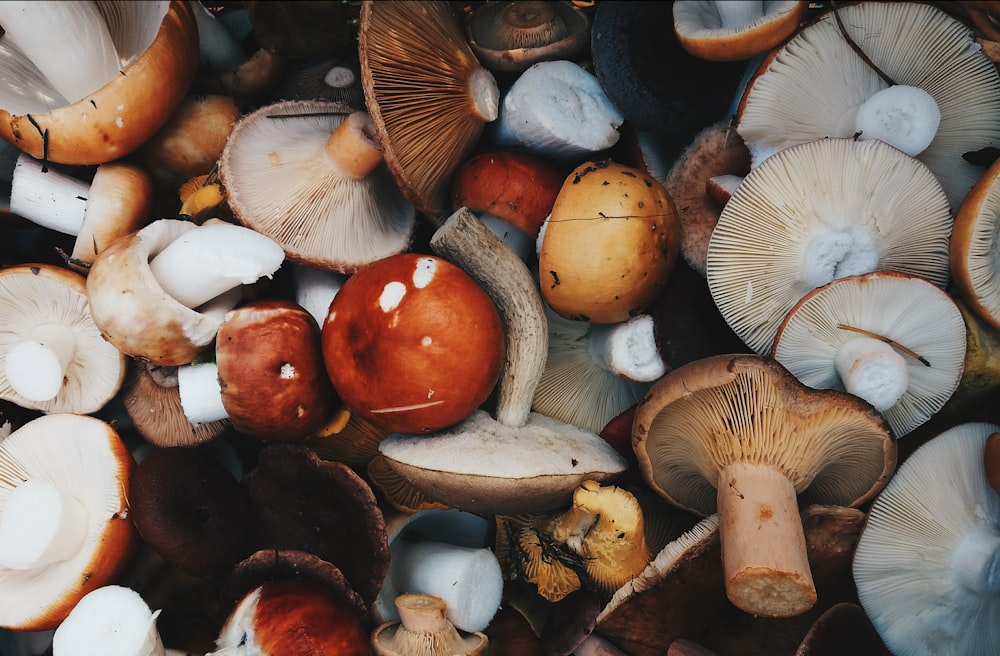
column 914, row 44
column 326, row 210
column 54, row 357
column 927, row 565
column 913, row 318
column 84, row 459
column 816, row 212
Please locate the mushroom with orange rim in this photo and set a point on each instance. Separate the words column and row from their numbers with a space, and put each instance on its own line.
column 417, row 53
column 728, row 31
column 973, row 246
column 896, row 340
column 64, row 527
column 859, row 53
column 54, row 358
column 816, row 212
column 309, row 175
column 98, row 109
column 926, row 563
column 741, row 436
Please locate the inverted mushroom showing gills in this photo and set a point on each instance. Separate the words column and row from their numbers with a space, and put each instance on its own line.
column 739, row 435
column 926, row 565
column 64, row 526
column 975, row 240
column 309, row 175
column 814, row 213
column 735, row 29
column 856, row 54
column 90, row 82
column 416, row 54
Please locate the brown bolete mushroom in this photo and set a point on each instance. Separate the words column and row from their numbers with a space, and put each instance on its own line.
column 741, row 436
column 519, row 461
column 89, row 83
column 54, row 358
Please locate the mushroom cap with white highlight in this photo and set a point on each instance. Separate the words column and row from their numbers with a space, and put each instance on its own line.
column 728, row 30
column 908, row 313
column 927, row 565
column 816, row 212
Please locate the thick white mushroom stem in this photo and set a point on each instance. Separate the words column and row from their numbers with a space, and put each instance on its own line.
column 902, row 116
column 49, row 32
column 873, row 370
column 764, row 556
column 213, row 258
column 353, row 146
column 468, row 579
column 465, row 241
column 424, row 627
column 484, row 94
column 48, row 197
column 40, row 525
column 112, row 620
column 627, row 349
column 200, row 393
column 737, row 13
column 976, row 561
column 36, row 368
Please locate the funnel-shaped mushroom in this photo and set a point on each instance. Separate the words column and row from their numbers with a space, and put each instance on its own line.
column 816, row 212
column 853, row 54
column 739, row 435
column 54, row 358
column 897, row 341
column 926, row 565
column 64, row 527
column 414, row 55
column 519, row 461
column 308, row 174
column 89, row 82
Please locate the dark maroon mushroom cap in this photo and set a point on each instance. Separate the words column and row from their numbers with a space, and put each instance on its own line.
column 190, row 510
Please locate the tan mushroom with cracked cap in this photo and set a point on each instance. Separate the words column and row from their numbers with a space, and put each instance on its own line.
column 740, row 436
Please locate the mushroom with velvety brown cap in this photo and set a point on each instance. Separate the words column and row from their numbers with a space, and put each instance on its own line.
column 309, row 175
column 739, row 435
column 973, row 246
column 735, row 29
column 90, row 82
column 510, row 36
column 416, row 53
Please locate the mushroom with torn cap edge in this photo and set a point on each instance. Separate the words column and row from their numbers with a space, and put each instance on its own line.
column 64, row 525
column 729, row 30
column 894, row 339
column 816, row 212
column 519, row 461
column 741, row 436
column 416, row 53
column 54, row 358
column 98, row 108
column 309, row 175
column 147, row 289
column 926, row 565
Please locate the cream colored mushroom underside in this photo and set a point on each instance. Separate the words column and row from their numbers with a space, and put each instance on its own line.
column 983, row 259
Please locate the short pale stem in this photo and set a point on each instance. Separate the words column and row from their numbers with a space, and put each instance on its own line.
column 871, row 369
column 36, row 367
column 353, row 146
column 48, row 197
column 423, row 612
column 627, row 349
column 40, row 525
column 340, row 77
column 484, row 94
column 737, row 13
column 976, row 562
column 764, row 557
column 200, row 392
column 115, row 617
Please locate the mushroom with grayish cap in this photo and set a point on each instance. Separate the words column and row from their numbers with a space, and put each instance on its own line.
column 309, row 175
column 856, row 54
column 519, row 461
column 741, row 436
column 54, row 358
column 416, row 53
column 816, row 212
column 898, row 341
column 64, row 525
column 927, row 565
column 973, row 247
column 735, row 29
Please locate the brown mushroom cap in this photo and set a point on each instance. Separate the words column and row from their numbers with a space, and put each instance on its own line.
column 706, row 431
column 722, row 31
column 119, row 117
column 610, row 244
column 973, row 246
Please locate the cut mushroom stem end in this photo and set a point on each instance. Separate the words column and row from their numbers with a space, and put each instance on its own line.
column 763, row 543
column 903, row 116
column 36, row 368
column 40, row 525
column 872, row 369
column 115, row 617
column 627, row 349
column 200, row 392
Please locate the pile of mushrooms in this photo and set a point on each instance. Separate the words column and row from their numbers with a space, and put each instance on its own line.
column 366, row 327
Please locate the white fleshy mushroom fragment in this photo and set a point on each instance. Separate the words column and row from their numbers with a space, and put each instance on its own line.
column 112, row 620
column 468, row 579
column 40, row 525
column 36, row 367
column 200, row 392
column 628, row 349
column 873, row 370
column 213, row 258
column 315, row 289
column 903, row 116
column 557, row 109
column 47, row 196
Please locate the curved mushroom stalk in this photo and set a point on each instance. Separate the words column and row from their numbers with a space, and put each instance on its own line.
column 112, row 620
column 40, row 525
